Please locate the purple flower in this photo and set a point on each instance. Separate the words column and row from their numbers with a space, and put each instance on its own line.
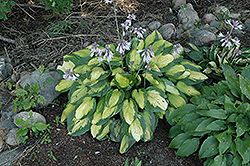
column 123, row 46
column 234, row 24
column 147, row 67
column 69, row 75
column 131, row 17
column 238, row 52
column 177, row 49
column 138, row 31
column 94, row 49
column 126, row 24
column 147, row 54
column 225, row 40
column 236, row 41
column 108, row 53
column 108, row 1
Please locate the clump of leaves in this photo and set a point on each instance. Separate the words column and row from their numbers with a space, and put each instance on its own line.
column 126, row 94
column 5, row 7
column 28, row 97
column 29, row 126
column 217, row 123
column 135, row 162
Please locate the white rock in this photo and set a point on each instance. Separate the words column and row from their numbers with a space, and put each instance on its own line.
column 25, row 115
column 12, row 137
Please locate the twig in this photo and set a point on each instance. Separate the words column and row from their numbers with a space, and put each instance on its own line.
column 7, row 40
column 26, row 12
column 29, row 5
column 63, row 37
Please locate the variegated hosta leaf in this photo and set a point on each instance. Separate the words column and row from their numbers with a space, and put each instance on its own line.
column 153, row 79
column 94, row 62
column 136, row 129
column 175, row 71
column 184, row 75
column 156, row 100
column 151, row 122
column 140, row 97
column 86, row 107
column 104, row 131
column 125, row 81
column 83, row 53
column 78, row 92
column 78, row 127
column 95, row 129
column 96, row 73
column 170, row 87
column 134, row 60
column 69, row 108
column 161, row 60
column 176, row 100
column 158, row 46
column 129, row 110
column 115, row 130
column 151, row 38
column 126, row 143
column 63, row 85
column 109, row 111
column 197, row 76
column 187, row 89
column 190, row 65
column 114, row 97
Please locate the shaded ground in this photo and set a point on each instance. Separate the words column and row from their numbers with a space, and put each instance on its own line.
column 44, row 41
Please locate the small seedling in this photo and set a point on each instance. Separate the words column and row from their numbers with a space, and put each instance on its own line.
column 52, row 155
column 57, row 121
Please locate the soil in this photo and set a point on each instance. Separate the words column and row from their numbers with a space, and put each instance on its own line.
column 40, row 41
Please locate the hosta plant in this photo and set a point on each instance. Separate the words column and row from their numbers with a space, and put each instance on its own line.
column 123, row 90
column 227, row 51
column 217, row 123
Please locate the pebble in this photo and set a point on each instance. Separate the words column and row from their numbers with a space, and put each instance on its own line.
column 202, row 37
column 5, row 67
column 11, row 138
column 178, row 3
column 5, row 127
column 208, row 18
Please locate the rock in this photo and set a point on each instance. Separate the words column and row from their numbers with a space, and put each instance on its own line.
column 208, row 18
column 5, row 67
column 5, row 127
column 235, row 15
column 142, row 24
column 247, row 25
column 49, row 91
column 179, row 32
column 216, row 24
column 7, row 158
column 154, row 25
column 178, row 3
column 188, row 16
column 210, row 29
column 7, row 112
column 202, row 37
column 1, row 144
column 11, row 138
column 167, row 31
column 25, row 115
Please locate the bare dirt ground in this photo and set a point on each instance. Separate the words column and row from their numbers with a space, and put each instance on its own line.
column 43, row 38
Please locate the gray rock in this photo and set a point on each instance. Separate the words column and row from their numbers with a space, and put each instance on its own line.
column 5, row 67
column 25, row 115
column 202, row 37
column 5, row 127
column 7, row 158
column 1, row 144
column 154, row 25
column 188, row 16
column 49, row 91
column 167, row 31
column 208, row 18
column 7, row 112
column 142, row 24
column 234, row 15
column 247, row 25
column 178, row 3
column 12, row 138
column 210, row 29
column 216, row 24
